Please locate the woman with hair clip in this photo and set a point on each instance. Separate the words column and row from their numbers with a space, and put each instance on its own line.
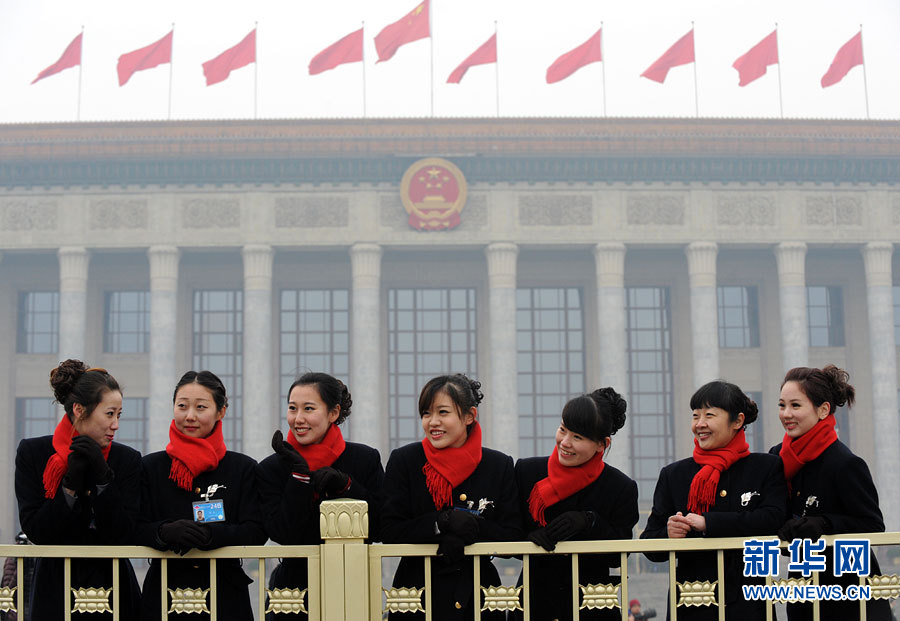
column 575, row 496
column 724, row 490
column 449, row 490
column 78, row 487
column 196, row 475
column 314, row 464
column 830, row 489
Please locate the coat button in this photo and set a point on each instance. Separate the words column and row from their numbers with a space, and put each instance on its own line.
column 463, row 497
column 723, row 493
column 457, row 604
column 196, row 490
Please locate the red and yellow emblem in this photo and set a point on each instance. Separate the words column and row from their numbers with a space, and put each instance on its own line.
column 433, row 192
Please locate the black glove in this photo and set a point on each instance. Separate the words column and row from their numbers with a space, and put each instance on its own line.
column 569, row 524
column 542, row 537
column 460, row 523
column 810, row 527
column 329, row 482
column 97, row 471
column 75, row 478
column 182, row 535
column 288, row 454
column 451, row 548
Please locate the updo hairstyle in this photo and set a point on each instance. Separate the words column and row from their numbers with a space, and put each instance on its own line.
column 829, row 384
column 332, row 391
column 597, row 415
column 462, row 390
column 208, row 380
column 73, row 382
column 727, row 396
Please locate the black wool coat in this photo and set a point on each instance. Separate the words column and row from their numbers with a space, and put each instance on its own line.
column 613, row 498
column 838, row 485
column 163, row 501
column 753, row 504
column 408, row 515
column 291, row 509
column 105, row 518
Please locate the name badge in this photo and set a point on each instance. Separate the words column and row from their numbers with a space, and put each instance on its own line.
column 210, row 511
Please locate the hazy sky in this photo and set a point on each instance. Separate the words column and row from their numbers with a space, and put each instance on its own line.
column 531, row 35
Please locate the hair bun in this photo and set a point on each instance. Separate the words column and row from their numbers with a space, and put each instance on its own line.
column 842, row 392
column 608, row 397
column 474, row 385
column 64, row 377
column 346, row 400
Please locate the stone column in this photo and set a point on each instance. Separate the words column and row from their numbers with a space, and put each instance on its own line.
column 259, row 411
column 882, row 348
column 163, row 340
column 701, row 258
column 73, row 274
column 612, row 359
column 791, row 258
column 369, row 422
column 503, row 393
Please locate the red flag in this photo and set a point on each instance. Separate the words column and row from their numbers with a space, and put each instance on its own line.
column 573, row 60
column 411, row 27
column 753, row 64
column 850, row 55
column 484, row 55
column 682, row 53
column 347, row 50
column 241, row 55
column 70, row 58
column 153, row 55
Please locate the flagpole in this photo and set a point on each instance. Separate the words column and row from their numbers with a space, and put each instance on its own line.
column 255, row 70
column 171, row 56
column 603, row 67
column 80, row 67
column 497, row 70
column 865, row 82
column 364, row 67
column 696, row 98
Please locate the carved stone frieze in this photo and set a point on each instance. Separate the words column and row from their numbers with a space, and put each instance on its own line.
column 745, row 210
column 896, row 210
column 210, row 213
column 312, row 211
column 392, row 215
column 547, row 209
column 655, row 209
column 29, row 215
column 830, row 210
column 111, row 213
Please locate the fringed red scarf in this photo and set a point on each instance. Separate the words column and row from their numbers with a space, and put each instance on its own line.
column 59, row 462
column 561, row 482
column 193, row 456
column 714, row 461
column 448, row 467
column 797, row 452
column 325, row 452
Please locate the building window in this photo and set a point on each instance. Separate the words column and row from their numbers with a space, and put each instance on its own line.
column 315, row 334
column 738, row 317
column 133, row 424
column 826, row 316
column 755, row 432
column 218, row 347
column 550, row 362
column 430, row 332
column 38, row 322
column 35, row 417
column 650, row 384
column 127, row 322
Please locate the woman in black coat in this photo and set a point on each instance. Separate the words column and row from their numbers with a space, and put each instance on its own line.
column 722, row 491
column 197, row 468
column 315, row 464
column 450, row 491
column 78, row 487
column 582, row 499
column 831, row 489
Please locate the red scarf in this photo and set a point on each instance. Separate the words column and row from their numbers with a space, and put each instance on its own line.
column 325, row 452
column 59, row 462
column 797, row 452
column 448, row 467
column 714, row 461
column 193, row 456
column 561, row 482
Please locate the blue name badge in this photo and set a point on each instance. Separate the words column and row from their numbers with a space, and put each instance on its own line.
column 211, row 511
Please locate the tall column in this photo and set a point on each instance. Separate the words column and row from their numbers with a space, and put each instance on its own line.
column 73, row 274
column 791, row 258
column 882, row 348
column 612, row 359
column 163, row 339
column 260, row 409
column 701, row 259
column 368, row 423
column 503, row 393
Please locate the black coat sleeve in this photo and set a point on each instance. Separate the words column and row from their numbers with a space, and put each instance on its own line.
column 663, row 508
column 399, row 521
column 620, row 523
column 246, row 529
column 117, row 507
column 287, row 504
column 505, row 522
column 765, row 519
column 858, row 491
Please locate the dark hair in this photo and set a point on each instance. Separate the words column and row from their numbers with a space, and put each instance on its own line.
column 829, row 384
column 73, row 382
column 597, row 415
column 208, row 380
column 729, row 397
column 462, row 390
column 332, row 391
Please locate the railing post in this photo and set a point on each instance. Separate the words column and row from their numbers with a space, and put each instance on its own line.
column 344, row 526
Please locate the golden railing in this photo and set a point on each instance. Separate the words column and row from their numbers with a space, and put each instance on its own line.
column 353, row 589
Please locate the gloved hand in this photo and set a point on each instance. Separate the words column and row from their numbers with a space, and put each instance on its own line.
column 288, row 454
column 460, row 523
column 542, row 537
column 569, row 524
column 97, row 471
column 810, row 527
column 451, row 548
column 75, row 478
column 182, row 535
column 329, row 482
